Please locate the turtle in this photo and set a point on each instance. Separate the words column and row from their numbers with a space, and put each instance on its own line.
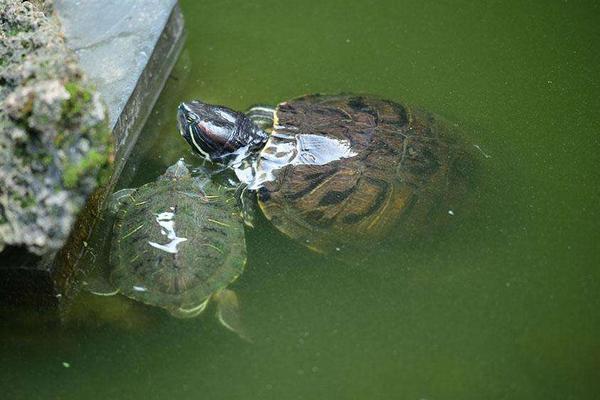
column 177, row 242
column 337, row 172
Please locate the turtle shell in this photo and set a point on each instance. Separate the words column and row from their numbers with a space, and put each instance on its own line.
column 175, row 242
column 347, row 168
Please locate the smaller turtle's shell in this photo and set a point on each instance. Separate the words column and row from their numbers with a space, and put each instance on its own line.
column 397, row 165
column 175, row 243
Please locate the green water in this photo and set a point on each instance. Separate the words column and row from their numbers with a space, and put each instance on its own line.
column 505, row 305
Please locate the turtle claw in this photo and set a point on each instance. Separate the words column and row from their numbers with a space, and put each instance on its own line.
column 118, row 198
column 228, row 312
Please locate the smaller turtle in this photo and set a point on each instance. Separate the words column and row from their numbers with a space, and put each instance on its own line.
column 177, row 243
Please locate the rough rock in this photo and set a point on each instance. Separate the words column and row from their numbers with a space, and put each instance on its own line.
column 55, row 144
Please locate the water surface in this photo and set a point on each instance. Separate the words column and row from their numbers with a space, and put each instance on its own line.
column 505, row 305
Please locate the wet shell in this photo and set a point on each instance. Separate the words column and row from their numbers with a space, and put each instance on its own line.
column 175, row 243
column 400, row 168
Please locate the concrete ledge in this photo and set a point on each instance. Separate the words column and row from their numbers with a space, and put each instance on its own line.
column 149, row 85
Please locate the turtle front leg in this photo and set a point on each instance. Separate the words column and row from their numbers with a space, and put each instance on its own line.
column 262, row 116
column 247, row 204
column 118, row 199
column 189, row 312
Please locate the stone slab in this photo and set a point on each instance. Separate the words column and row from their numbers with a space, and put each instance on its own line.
column 114, row 40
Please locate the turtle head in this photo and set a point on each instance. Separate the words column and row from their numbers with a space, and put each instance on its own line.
column 218, row 133
column 177, row 170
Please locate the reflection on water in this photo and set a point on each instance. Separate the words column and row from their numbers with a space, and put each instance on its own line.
column 166, row 220
column 502, row 306
column 284, row 149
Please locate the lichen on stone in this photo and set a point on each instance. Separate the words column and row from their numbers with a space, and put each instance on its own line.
column 55, row 144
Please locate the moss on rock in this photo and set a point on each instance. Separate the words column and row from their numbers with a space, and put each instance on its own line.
column 55, row 144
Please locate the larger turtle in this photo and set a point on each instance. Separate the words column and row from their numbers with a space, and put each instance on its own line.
column 177, row 242
column 336, row 172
